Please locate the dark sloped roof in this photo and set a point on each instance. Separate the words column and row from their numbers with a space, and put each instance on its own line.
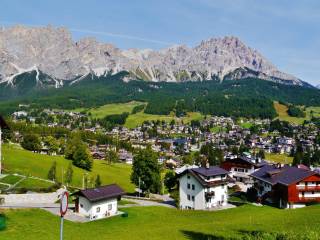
column 209, row 172
column 208, row 184
column 3, row 124
column 286, row 175
column 246, row 160
column 101, row 193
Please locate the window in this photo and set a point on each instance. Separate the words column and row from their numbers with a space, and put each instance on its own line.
column 81, row 205
column 188, row 177
column 193, row 187
column 192, row 198
column 110, row 207
column 188, row 197
column 188, row 186
column 98, row 209
column 312, row 192
column 235, row 169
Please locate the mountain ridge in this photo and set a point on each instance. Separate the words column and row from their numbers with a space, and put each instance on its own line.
column 52, row 51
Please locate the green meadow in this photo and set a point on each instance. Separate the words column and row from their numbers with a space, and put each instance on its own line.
column 283, row 114
column 136, row 119
column 278, row 158
column 17, row 160
column 158, row 223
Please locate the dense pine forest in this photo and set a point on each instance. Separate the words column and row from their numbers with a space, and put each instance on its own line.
column 247, row 97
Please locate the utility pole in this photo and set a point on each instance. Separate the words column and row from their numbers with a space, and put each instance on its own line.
column 62, row 175
column 0, row 152
column 83, row 181
column 139, row 187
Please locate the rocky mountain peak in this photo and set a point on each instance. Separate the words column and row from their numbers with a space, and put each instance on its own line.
column 52, row 51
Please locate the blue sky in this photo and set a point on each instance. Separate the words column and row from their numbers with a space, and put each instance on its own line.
column 286, row 32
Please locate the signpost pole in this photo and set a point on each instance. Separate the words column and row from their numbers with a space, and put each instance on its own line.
column 61, row 228
column 0, row 152
column 63, row 210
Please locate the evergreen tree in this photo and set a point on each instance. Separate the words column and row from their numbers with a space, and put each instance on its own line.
column 297, row 159
column 69, row 174
column 52, row 172
column 98, row 181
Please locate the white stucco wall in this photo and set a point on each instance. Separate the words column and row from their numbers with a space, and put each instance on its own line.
column 220, row 194
column 90, row 209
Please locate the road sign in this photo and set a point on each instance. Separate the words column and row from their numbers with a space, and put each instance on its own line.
column 63, row 210
column 64, row 203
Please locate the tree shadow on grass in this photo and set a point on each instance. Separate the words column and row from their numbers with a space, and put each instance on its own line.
column 202, row 236
column 242, row 235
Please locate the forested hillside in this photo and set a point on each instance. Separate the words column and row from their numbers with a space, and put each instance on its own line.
column 246, row 97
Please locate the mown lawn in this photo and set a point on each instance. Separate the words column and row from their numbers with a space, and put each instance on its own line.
column 158, row 223
column 17, row 160
column 10, row 179
column 278, row 158
column 31, row 183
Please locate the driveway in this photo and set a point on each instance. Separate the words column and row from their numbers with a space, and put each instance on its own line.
column 146, row 203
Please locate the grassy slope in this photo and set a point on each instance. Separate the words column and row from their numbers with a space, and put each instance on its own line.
column 283, row 115
column 31, row 183
column 137, row 119
column 163, row 223
column 109, row 109
column 17, row 160
column 278, row 158
column 10, row 179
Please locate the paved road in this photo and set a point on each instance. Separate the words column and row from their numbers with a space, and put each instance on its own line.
column 53, row 208
column 147, row 203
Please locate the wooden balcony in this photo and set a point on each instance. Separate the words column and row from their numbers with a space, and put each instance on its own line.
column 308, row 188
column 309, row 199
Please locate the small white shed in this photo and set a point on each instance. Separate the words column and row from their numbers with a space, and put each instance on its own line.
column 97, row 203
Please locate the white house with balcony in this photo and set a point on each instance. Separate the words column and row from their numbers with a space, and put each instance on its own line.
column 203, row 188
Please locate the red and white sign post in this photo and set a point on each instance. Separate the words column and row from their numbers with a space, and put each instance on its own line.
column 63, row 210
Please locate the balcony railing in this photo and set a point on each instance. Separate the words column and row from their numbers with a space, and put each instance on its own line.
column 309, row 199
column 308, row 188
